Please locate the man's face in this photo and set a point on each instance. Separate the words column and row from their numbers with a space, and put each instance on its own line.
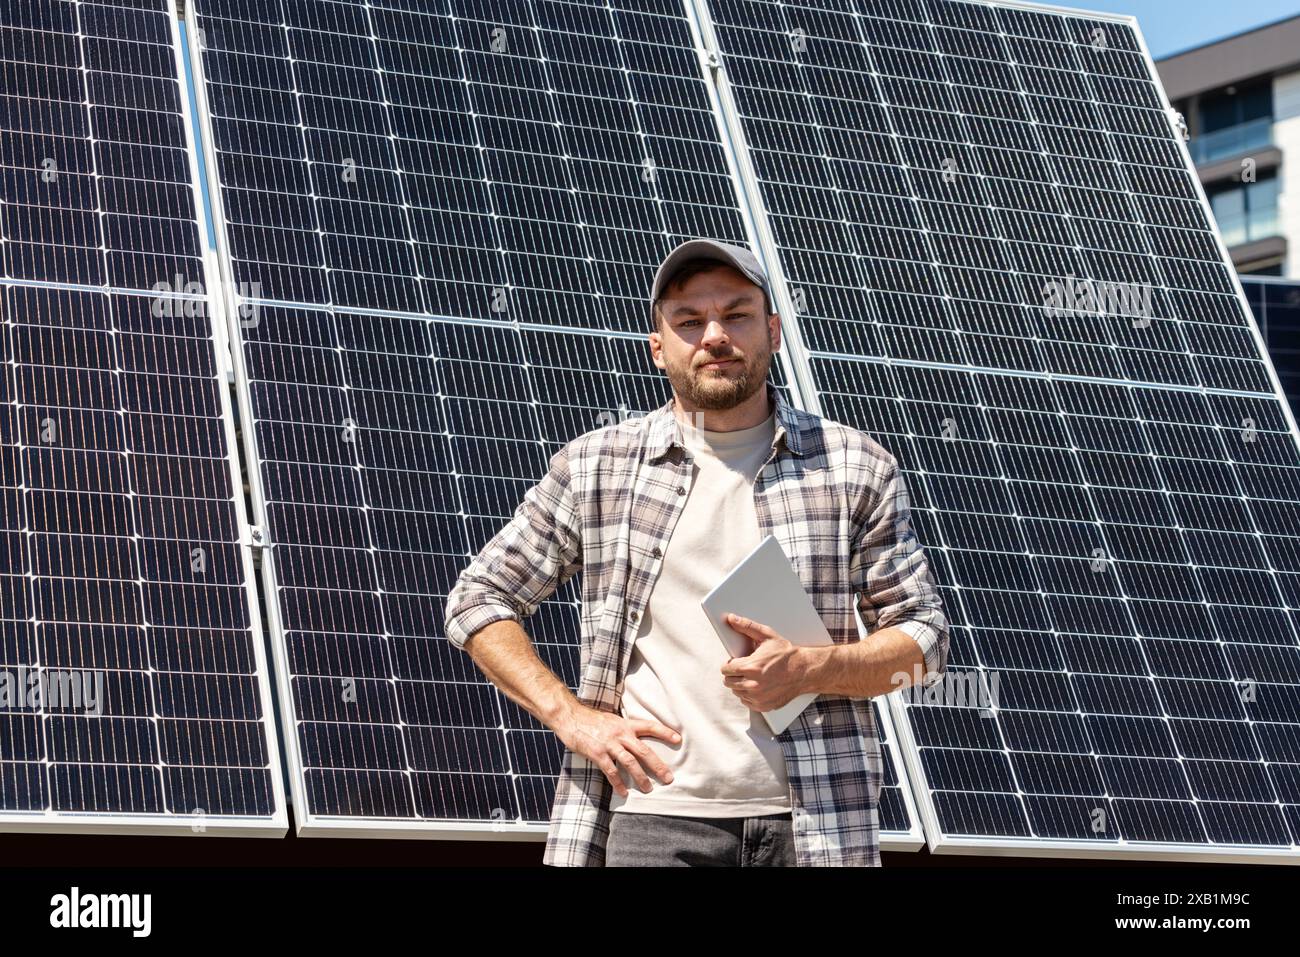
column 715, row 315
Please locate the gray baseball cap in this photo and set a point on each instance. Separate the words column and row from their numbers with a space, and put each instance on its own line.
column 737, row 256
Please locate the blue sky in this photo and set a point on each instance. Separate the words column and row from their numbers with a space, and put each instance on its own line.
column 1171, row 26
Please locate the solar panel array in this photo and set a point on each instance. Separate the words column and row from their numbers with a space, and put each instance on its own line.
column 1002, row 267
column 134, row 692
column 1276, row 305
column 450, row 216
column 442, row 220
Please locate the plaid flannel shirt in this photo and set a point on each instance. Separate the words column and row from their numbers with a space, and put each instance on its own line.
column 836, row 501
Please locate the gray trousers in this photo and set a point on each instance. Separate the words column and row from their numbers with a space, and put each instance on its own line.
column 670, row 840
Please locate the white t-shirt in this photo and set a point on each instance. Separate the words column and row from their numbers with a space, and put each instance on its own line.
column 728, row 763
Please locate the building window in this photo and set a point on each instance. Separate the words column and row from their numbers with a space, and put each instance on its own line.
column 1233, row 121
column 1246, row 212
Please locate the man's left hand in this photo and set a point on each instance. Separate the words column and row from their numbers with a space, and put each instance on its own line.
column 771, row 675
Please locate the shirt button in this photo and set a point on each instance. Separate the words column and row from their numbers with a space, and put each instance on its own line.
column 632, row 616
column 658, row 552
column 681, row 490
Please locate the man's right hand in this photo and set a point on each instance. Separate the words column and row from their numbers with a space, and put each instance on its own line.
column 609, row 740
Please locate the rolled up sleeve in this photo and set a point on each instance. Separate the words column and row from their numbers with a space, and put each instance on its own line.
column 535, row 553
column 890, row 575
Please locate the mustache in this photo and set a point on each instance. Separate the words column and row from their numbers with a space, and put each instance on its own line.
column 733, row 355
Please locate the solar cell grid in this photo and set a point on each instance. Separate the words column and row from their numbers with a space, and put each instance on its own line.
column 122, row 571
column 551, row 153
column 92, row 102
column 1276, row 306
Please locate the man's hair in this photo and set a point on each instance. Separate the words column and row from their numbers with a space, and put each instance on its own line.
column 693, row 267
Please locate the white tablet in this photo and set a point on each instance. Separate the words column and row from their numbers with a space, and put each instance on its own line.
column 765, row 588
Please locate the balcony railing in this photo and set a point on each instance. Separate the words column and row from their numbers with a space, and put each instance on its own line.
column 1231, row 141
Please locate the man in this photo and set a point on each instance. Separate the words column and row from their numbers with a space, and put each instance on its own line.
column 668, row 759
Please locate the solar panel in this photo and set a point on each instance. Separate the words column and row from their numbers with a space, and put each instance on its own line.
column 447, row 218
column 1002, row 267
column 134, row 691
column 1276, row 305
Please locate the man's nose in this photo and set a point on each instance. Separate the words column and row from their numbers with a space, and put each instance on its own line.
column 714, row 331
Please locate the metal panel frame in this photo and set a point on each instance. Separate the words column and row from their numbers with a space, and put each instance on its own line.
column 763, row 240
column 900, row 728
column 736, row 156
column 305, row 824
column 174, row 825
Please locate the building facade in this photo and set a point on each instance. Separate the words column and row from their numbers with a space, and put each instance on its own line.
column 1240, row 97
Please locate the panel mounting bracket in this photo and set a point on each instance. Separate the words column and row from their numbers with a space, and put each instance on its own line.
column 256, row 537
column 711, row 59
column 1179, row 123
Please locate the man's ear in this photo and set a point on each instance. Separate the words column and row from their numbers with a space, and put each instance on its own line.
column 774, row 330
column 657, row 349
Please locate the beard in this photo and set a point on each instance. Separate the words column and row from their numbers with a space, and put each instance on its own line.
column 725, row 388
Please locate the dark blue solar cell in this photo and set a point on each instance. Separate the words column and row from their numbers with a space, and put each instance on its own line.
column 1276, row 306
